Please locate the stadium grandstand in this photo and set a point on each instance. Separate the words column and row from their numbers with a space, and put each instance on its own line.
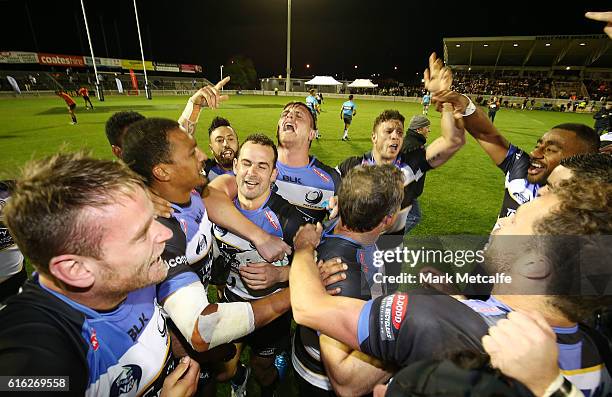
column 557, row 67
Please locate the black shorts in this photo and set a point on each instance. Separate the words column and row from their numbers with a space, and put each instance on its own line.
column 86, row 97
column 72, row 107
column 269, row 340
column 347, row 120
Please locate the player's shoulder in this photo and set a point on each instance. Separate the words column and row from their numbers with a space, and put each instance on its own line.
column 331, row 171
column 350, row 162
column 179, row 232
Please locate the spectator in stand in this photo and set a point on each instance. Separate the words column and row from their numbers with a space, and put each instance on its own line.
column 602, row 119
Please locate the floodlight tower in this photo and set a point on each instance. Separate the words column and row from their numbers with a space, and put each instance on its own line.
column 288, row 80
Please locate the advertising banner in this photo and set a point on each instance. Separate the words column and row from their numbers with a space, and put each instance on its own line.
column 18, row 57
column 136, row 64
column 61, row 60
column 166, row 67
column 106, row 62
column 187, row 68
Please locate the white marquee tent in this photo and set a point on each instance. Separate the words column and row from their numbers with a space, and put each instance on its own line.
column 323, row 80
column 362, row 83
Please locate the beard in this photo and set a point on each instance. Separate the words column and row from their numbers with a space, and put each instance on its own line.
column 226, row 162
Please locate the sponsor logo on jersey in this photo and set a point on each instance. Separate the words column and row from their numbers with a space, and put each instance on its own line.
column 183, row 223
column 385, row 321
column 320, row 174
column 126, row 381
column 362, row 260
column 314, row 197
column 93, row 339
column 202, row 242
column 177, row 260
column 270, row 217
column 198, row 218
column 400, row 301
column 292, row 179
column 136, row 329
column 219, row 231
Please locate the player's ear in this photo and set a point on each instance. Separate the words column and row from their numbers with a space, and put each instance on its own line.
column 235, row 166
column 274, row 174
column 117, row 151
column 161, row 173
column 73, row 270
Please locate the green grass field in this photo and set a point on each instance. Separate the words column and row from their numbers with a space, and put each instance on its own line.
column 461, row 197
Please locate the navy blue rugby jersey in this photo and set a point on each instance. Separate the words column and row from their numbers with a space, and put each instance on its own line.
column 276, row 217
column 403, row 328
column 124, row 352
column 213, row 170
column 359, row 283
column 518, row 190
column 190, row 248
column 309, row 188
column 413, row 166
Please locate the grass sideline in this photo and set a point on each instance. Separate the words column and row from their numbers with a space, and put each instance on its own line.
column 462, row 197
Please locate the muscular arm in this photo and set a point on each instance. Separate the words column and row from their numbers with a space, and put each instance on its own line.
column 352, row 373
column 452, row 139
column 207, row 325
column 479, row 126
column 223, row 212
column 336, row 317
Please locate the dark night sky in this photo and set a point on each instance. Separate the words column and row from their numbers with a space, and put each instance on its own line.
column 331, row 35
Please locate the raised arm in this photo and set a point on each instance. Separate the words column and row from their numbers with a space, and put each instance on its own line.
column 206, row 96
column 336, row 317
column 452, row 139
column 438, row 80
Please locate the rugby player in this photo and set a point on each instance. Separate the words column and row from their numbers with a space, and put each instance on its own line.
column 348, row 110
column 250, row 278
column 223, row 143
column 12, row 265
column 313, row 106
column 171, row 163
column 302, row 179
column 84, row 92
column 525, row 173
column 89, row 314
column 70, row 103
column 403, row 328
column 369, row 199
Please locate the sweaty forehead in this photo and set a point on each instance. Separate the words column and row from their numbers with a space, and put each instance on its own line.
column 393, row 123
column 222, row 131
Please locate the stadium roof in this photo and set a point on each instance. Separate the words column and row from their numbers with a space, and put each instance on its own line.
column 592, row 51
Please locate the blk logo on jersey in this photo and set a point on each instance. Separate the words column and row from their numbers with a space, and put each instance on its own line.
column 314, row 197
column 292, row 179
column 128, row 379
column 201, row 244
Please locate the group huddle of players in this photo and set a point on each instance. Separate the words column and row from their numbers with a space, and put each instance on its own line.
column 240, row 218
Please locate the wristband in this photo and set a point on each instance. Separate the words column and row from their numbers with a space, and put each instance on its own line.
column 561, row 387
column 470, row 109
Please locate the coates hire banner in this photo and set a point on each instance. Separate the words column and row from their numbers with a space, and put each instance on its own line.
column 166, row 67
column 135, row 64
column 61, row 60
column 186, row 68
column 18, row 57
column 106, row 62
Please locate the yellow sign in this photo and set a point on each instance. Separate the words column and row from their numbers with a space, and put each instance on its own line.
column 135, row 64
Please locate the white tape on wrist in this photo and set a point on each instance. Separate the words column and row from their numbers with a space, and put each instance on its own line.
column 230, row 322
column 470, row 109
